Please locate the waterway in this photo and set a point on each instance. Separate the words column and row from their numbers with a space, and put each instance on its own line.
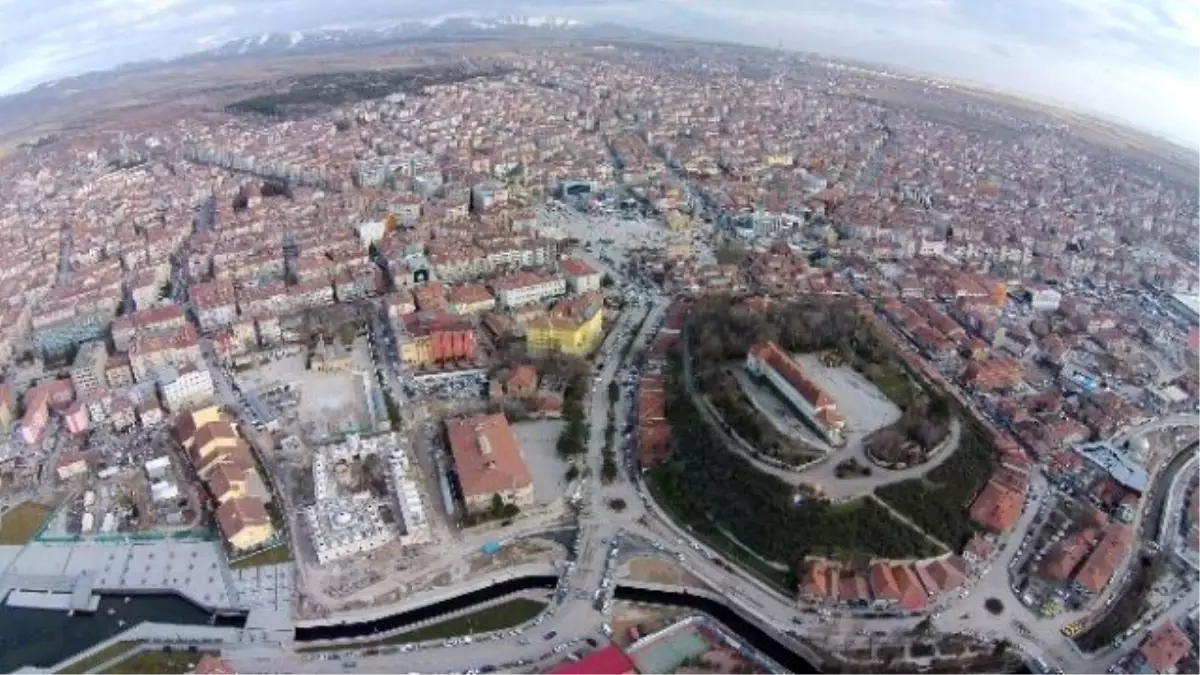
column 42, row 638
column 750, row 633
column 387, row 624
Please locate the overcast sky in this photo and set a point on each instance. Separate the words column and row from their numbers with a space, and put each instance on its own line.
column 1133, row 60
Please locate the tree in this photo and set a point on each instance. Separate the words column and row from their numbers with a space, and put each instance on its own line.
column 608, row 469
column 497, row 504
column 606, row 281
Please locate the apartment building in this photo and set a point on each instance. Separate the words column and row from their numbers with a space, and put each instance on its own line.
column 523, row 288
column 188, row 386
column 156, row 320
column 215, row 303
column 572, row 327
column 149, row 353
column 88, row 369
column 580, row 276
column 470, row 299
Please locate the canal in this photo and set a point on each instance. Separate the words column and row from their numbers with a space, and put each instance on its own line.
column 42, row 637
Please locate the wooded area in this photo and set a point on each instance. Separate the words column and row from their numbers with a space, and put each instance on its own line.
column 938, row 502
column 711, row 488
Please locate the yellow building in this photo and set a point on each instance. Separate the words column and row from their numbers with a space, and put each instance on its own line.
column 245, row 524
column 566, row 333
column 678, row 222
column 679, row 249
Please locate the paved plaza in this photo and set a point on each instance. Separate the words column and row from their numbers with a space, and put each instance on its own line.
column 196, row 570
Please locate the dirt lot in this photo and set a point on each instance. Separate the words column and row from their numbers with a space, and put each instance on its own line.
column 648, row 619
column 20, row 523
column 659, row 571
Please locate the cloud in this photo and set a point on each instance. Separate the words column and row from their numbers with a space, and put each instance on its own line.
column 1133, row 60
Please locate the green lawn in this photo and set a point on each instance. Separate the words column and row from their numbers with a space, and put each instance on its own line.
column 497, row 617
column 20, row 523
column 272, row 556
column 103, row 656
column 154, row 662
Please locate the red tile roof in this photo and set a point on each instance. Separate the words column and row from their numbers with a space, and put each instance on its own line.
column 1165, row 647
column 609, row 660
column 946, row 574
column 769, row 353
column 883, row 582
column 574, row 267
column 486, row 455
column 912, row 594
column 1104, row 560
column 998, row 506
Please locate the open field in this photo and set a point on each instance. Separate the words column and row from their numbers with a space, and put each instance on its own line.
column 658, row 571
column 86, row 663
column 155, row 662
column 19, row 524
column 272, row 556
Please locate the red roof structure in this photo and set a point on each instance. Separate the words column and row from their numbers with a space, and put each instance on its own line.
column 1165, row 647
column 822, row 403
column 883, row 582
column 609, row 660
column 1098, row 569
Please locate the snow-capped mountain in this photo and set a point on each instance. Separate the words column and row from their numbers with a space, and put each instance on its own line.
column 452, row 28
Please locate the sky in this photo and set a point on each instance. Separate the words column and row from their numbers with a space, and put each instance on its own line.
column 1135, row 61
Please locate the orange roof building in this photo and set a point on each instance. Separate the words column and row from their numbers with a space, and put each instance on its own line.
column 1105, row 559
column 767, row 360
column 912, row 593
column 998, row 506
column 820, row 582
column 1066, row 557
column 943, row 574
column 883, row 582
column 488, row 461
column 1162, row 651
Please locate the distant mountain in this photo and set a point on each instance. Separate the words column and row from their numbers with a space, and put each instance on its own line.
column 51, row 98
column 451, row 29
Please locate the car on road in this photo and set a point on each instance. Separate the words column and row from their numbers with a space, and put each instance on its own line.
column 551, row 635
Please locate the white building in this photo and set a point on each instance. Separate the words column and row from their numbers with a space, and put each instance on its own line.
column 344, row 525
column 189, row 386
column 408, row 496
column 163, row 491
column 158, row 467
column 341, row 528
column 523, row 288
column 370, row 232
column 581, row 277
column 1044, row 299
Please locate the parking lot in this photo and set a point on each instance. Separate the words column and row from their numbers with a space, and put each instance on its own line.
column 860, row 402
column 537, row 441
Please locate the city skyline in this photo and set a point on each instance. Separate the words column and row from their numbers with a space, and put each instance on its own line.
column 1108, row 58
